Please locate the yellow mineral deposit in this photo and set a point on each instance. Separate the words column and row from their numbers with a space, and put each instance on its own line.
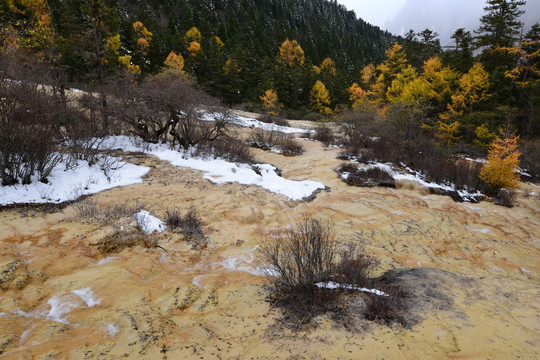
column 62, row 298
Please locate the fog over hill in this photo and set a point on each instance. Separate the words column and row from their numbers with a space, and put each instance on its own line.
column 445, row 16
column 442, row 16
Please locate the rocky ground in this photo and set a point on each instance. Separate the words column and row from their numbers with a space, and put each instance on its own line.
column 472, row 271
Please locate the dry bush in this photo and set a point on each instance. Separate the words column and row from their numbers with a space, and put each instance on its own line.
column 277, row 141
column 358, row 126
column 189, row 224
column 230, row 148
column 530, row 158
column 506, row 197
column 370, row 177
column 90, row 210
column 324, row 134
column 271, row 119
column 30, row 119
column 307, row 254
column 39, row 125
column 387, row 309
column 354, row 267
column 121, row 239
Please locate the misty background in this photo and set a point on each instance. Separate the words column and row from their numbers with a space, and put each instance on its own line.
column 441, row 16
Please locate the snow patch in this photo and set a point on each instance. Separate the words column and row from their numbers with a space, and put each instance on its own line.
column 87, row 295
column 106, row 260
column 416, row 176
column 245, row 121
column 197, row 280
column 334, row 285
column 65, row 185
column 149, row 223
column 220, row 171
column 112, row 329
column 59, row 308
column 483, row 231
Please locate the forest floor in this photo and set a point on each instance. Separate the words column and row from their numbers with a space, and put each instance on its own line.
column 474, row 271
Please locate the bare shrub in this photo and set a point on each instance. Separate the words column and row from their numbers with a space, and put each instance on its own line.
column 30, row 118
column 190, row 224
column 87, row 209
column 358, row 126
column 121, row 239
column 303, row 257
column 91, row 210
column 356, row 176
column 398, row 138
column 271, row 119
column 387, row 309
column 530, row 158
column 306, row 255
column 229, row 148
column 506, row 197
column 355, row 267
column 276, row 141
column 324, row 134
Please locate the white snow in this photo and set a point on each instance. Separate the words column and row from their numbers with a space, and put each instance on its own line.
column 106, row 260
column 483, row 231
column 65, row 185
column 112, row 329
column 59, row 308
column 525, row 270
column 220, row 171
column 25, row 335
column 254, row 123
column 334, row 285
column 418, row 177
column 149, row 223
column 197, row 280
column 87, row 295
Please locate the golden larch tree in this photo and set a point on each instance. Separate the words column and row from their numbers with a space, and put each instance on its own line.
column 389, row 70
column 144, row 37
column 357, row 96
column 320, row 98
column 473, row 89
column 269, row 100
column 291, row 53
column 174, row 61
column 328, row 66
column 500, row 171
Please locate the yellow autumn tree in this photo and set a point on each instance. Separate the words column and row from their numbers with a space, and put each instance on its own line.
column 269, row 100
column 473, row 89
column 394, row 94
column 193, row 34
column 357, row 96
column 320, row 98
column 389, row 70
column 291, row 53
column 132, row 68
column 194, row 38
column 231, row 67
column 144, row 37
column 174, row 61
column 35, row 32
column 194, row 49
column 484, row 137
column 328, row 66
column 500, row 171
column 441, row 79
column 447, row 134
column 369, row 76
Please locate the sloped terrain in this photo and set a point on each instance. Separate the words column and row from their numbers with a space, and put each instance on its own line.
column 471, row 271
